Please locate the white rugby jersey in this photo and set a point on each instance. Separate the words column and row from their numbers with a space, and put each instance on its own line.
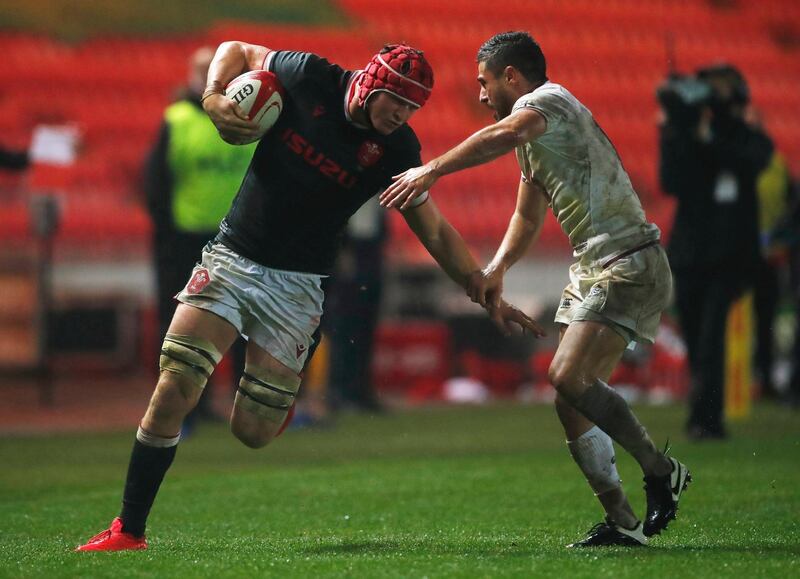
column 588, row 189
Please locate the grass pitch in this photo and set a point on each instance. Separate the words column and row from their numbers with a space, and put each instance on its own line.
column 436, row 492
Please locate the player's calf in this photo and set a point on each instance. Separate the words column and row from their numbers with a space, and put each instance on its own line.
column 604, row 406
column 186, row 363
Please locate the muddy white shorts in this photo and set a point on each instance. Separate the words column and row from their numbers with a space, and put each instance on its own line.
column 277, row 310
column 628, row 293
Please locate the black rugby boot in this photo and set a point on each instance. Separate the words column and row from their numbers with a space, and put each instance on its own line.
column 663, row 493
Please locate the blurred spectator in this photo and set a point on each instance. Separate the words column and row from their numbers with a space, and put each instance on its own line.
column 191, row 177
column 51, row 144
column 794, row 269
column 787, row 235
column 773, row 189
column 710, row 160
column 353, row 307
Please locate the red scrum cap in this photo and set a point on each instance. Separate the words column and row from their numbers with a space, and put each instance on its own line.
column 400, row 70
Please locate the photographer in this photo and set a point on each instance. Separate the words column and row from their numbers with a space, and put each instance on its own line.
column 710, row 159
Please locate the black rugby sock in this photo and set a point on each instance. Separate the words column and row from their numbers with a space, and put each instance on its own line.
column 146, row 470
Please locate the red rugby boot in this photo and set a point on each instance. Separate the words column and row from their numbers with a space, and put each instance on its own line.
column 114, row 539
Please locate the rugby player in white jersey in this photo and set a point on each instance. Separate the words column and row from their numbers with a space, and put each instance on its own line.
column 619, row 284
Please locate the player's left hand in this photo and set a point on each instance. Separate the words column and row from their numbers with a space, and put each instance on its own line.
column 505, row 316
column 409, row 185
column 231, row 121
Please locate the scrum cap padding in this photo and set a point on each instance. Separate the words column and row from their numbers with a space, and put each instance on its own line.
column 400, row 70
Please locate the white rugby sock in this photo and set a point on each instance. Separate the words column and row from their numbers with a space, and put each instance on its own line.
column 155, row 441
column 593, row 452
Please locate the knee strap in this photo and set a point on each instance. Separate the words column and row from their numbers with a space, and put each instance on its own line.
column 267, row 393
column 191, row 357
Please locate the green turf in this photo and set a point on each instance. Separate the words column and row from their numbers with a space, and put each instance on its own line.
column 439, row 492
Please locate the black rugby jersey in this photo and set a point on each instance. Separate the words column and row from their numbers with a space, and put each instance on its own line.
column 312, row 171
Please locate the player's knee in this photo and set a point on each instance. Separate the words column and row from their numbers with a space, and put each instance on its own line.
column 557, row 375
column 172, row 395
column 263, row 400
column 186, row 363
column 564, row 379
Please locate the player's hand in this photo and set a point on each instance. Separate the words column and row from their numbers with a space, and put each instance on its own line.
column 506, row 316
column 232, row 123
column 486, row 287
column 408, row 185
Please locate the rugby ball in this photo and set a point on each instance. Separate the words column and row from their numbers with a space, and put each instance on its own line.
column 260, row 95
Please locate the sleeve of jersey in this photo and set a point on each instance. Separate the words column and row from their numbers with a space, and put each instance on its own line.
column 292, row 67
column 547, row 104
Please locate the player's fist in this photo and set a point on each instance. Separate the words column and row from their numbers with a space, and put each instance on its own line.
column 231, row 121
column 486, row 287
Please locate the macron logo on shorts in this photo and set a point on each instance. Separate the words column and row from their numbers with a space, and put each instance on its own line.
column 200, row 279
column 301, row 349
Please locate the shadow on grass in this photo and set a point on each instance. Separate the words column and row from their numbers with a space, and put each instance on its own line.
column 419, row 547
column 652, row 551
column 756, row 549
column 521, row 549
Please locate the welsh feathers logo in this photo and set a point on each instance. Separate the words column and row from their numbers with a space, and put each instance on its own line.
column 369, row 153
column 200, row 279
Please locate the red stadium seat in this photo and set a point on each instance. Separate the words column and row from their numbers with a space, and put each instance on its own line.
column 611, row 54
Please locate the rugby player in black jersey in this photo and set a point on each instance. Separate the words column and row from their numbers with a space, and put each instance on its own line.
column 340, row 138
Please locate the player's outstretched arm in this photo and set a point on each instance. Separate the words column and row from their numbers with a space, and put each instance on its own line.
column 523, row 230
column 231, row 59
column 505, row 316
column 450, row 251
column 488, row 144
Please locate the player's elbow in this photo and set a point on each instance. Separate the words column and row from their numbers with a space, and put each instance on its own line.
column 231, row 46
column 251, row 56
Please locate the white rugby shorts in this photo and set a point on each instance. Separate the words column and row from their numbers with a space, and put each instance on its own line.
column 277, row 310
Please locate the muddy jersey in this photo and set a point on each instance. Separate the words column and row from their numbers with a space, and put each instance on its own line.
column 312, row 170
column 587, row 187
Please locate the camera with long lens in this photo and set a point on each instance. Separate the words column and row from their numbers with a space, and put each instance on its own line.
column 720, row 87
column 683, row 98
